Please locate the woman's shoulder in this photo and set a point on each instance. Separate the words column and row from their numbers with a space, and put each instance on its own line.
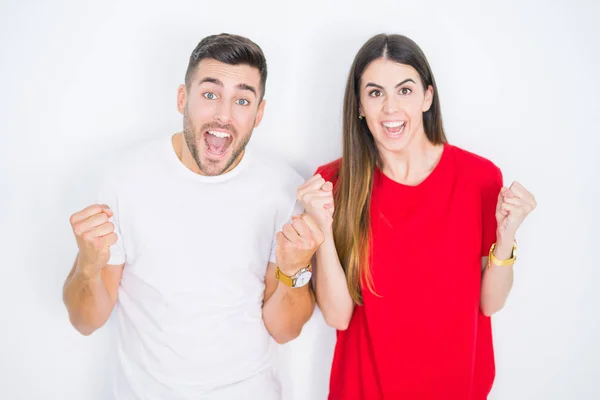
column 477, row 168
column 331, row 170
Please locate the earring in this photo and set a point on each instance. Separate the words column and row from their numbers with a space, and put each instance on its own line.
column 361, row 117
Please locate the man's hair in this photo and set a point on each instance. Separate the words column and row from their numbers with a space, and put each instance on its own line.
column 232, row 50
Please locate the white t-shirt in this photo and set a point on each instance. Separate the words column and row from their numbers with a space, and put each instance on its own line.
column 189, row 313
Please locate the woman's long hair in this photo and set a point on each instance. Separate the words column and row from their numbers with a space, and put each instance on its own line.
column 351, row 224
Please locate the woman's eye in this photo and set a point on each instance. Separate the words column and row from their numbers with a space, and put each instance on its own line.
column 376, row 93
column 405, row 91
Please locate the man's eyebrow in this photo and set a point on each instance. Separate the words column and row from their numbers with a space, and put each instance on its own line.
column 211, row 80
column 243, row 86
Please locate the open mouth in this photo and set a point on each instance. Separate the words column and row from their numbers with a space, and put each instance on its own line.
column 217, row 142
column 394, row 128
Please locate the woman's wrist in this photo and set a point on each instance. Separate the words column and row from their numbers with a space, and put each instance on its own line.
column 504, row 248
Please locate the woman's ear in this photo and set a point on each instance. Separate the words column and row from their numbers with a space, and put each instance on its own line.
column 428, row 98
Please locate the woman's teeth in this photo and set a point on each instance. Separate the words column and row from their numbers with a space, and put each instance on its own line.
column 396, row 124
column 394, row 128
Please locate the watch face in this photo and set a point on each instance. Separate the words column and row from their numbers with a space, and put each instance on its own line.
column 303, row 279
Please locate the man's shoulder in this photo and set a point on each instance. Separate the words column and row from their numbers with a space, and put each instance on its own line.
column 274, row 169
column 134, row 163
column 141, row 155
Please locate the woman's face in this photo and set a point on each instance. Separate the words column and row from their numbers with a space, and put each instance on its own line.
column 392, row 100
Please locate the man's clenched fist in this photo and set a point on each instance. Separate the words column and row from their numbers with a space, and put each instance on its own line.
column 94, row 234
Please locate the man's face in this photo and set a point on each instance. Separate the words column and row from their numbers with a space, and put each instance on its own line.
column 221, row 106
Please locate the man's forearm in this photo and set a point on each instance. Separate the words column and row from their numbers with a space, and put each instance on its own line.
column 287, row 310
column 87, row 300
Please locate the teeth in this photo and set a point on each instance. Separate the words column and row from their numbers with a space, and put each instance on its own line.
column 219, row 134
column 393, row 124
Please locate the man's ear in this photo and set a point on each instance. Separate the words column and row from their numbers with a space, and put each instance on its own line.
column 181, row 98
column 259, row 113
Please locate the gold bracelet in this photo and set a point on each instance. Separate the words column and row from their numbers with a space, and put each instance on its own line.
column 502, row 263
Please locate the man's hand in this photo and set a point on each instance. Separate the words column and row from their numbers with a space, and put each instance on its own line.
column 94, row 234
column 296, row 244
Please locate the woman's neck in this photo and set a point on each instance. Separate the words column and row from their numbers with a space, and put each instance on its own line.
column 413, row 164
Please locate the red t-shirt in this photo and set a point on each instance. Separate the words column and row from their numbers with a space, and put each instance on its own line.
column 424, row 337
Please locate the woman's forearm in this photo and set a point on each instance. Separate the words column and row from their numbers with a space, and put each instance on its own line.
column 497, row 281
column 333, row 297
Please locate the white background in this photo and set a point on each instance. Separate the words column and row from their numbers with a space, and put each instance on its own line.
column 518, row 83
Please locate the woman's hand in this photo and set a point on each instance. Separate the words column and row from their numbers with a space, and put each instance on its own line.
column 316, row 196
column 514, row 205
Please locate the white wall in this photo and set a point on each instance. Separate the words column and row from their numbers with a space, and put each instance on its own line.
column 518, row 84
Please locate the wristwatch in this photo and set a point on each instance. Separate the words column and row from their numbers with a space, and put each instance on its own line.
column 299, row 279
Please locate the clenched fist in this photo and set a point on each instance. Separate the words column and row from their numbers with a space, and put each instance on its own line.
column 514, row 204
column 94, row 234
column 296, row 244
column 316, row 196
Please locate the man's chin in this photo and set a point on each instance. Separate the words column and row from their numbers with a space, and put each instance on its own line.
column 213, row 166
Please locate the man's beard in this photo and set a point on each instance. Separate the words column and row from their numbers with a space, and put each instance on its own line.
column 210, row 168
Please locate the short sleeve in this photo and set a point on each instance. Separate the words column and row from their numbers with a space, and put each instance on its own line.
column 330, row 172
column 281, row 220
column 489, row 199
column 325, row 172
column 108, row 194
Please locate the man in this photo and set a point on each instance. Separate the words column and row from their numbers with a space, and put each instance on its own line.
column 185, row 243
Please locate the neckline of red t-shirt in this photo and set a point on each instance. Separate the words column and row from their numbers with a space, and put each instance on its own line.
column 433, row 175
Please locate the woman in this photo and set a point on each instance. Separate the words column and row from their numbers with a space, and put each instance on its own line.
column 403, row 273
